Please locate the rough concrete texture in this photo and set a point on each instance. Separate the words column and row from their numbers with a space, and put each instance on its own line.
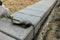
column 38, row 9
column 14, row 30
column 5, row 37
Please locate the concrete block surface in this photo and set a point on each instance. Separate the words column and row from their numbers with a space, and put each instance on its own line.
column 21, row 16
column 5, row 37
column 33, row 12
column 14, row 30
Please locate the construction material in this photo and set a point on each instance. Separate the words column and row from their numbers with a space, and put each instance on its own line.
column 27, row 34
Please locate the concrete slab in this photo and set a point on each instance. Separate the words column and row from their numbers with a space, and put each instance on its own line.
column 21, row 16
column 32, row 12
column 39, row 8
column 5, row 37
column 15, row 31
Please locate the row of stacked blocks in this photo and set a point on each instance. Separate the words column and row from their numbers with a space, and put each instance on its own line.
column 35, row 13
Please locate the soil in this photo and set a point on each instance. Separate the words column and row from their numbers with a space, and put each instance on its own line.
column 15, row 5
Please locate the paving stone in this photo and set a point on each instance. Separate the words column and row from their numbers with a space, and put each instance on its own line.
column 38, row 7
column 35, row 11
column 5, row 37
column 46, row 3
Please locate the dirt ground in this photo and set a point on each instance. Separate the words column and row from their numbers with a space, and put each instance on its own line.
column 54, row 33
column 15, row 5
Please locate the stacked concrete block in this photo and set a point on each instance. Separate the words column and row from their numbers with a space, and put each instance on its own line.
column 35, row 13
column 5, row 37
column 15, row 31
column 26, row 17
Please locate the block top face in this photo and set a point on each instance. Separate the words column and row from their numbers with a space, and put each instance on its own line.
column 39, row 8
column 37, row 12
column 5, row 37
column 14, row 30
column 26, row 17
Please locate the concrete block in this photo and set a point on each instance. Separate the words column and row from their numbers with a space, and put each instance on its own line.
column 28, row 13
column 39, row 8
column 5, row 37
column 15, row 31
column 20, row 16
column 34, row 12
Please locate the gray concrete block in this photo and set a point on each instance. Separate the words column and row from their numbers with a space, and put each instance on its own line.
column 20, row 16
column 27, row 14
column 5, row 37
column 39, row 8
column 32, row 12
column 43, row 3
column 14, row 30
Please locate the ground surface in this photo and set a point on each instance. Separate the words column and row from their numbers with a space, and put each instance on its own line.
column 15, row 5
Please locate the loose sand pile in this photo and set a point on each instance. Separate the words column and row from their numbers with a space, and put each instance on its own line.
column 15, row 5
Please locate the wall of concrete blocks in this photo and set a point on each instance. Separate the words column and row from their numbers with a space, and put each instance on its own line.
column 35, row 13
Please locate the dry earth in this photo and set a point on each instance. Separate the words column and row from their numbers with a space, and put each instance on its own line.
column 54, row 33
column 15, row 5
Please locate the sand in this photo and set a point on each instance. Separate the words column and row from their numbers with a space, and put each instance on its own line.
column 15, row 5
